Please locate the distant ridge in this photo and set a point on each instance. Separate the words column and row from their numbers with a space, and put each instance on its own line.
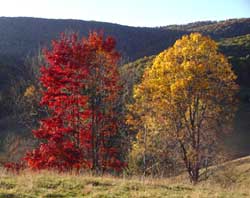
column 20, row 36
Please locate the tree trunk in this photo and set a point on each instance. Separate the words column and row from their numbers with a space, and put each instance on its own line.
column 194, row 175
column 145, row 150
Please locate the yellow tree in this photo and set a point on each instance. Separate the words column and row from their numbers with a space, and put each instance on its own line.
column 190, row 93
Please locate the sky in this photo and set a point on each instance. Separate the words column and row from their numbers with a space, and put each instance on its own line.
column 148, row 13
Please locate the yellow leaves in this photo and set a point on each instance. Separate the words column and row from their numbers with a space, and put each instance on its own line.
column 30, row 91
column 187, row 66
column 136, row 92
column 178, row 85
column 187, row 81
column 195, row 37
column 191, row 64
column 129, row 119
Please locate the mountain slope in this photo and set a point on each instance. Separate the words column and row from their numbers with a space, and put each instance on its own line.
column 220, row 29
column 23, row 35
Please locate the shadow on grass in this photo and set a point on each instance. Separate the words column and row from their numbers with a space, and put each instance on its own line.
column 5, row 185
column 10, row 195
column 54, row 195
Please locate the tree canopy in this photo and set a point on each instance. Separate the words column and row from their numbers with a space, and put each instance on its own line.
column 188, row 95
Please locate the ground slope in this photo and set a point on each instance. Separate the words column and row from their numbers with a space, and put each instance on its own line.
column 230, row 179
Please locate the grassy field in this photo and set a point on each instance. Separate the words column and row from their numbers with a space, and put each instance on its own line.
column 228, row 180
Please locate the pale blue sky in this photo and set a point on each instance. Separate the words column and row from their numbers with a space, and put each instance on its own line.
column 129, row 12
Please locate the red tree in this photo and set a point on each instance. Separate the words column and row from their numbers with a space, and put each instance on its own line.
column 81, row 85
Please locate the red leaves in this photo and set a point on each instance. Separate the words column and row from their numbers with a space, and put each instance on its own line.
column 14, row 167
column 109, row 44
column 80, row 83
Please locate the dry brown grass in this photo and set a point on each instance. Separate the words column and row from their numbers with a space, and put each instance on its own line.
column 231, row 179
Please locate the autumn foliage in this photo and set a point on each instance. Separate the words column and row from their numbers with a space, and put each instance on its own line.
column 186, row 101
column 80, row 89
column 182, row 108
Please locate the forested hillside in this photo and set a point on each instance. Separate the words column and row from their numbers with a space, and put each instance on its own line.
column 224, row 29
column 22, row 37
